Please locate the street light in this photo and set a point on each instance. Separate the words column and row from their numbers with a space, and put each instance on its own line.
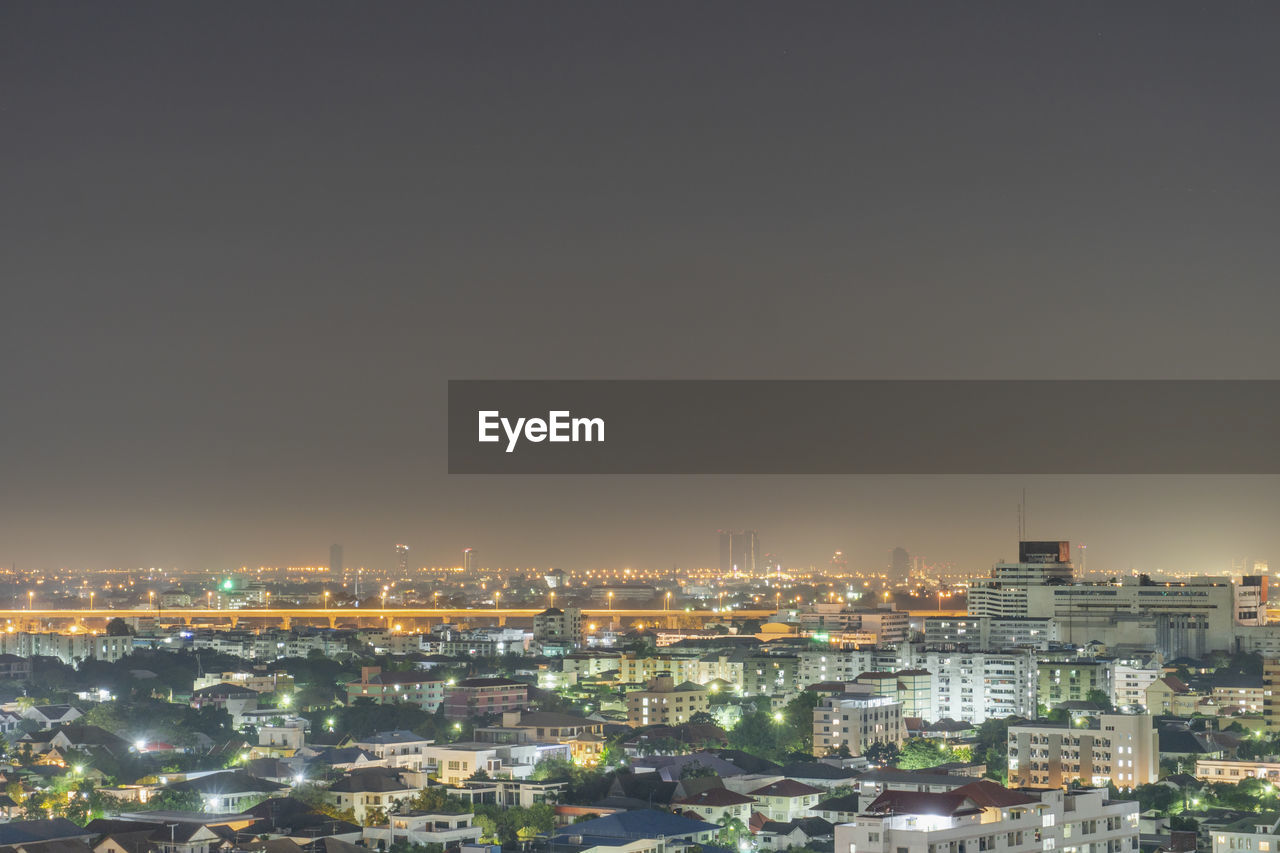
column 326, row 599
column 30, row 599
column 611, row 599
column 91, row 600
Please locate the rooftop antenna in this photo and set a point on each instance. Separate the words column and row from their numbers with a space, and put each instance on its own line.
column 1022, row 517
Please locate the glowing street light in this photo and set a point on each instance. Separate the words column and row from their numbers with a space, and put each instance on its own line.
column 326, row 599
column 30, row 599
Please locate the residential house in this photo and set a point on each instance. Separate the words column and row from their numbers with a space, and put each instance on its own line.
column 372, row 791
column 786, row 800
column 398, row 748
column 416, row 828
column 716, row 804
column 228, row 791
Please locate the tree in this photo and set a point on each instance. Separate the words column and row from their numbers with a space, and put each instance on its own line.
column 920, row 753
column 732, row 832
column 117, row 627
column 437, row 800
column 169, row 800
column 756, row 733
column 1099, row 698
column 881, row 753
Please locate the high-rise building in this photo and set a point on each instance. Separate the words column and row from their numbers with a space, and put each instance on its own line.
column 839, row 563
column 1005, row 593
column 1251, row 599
column 335, row 559
column 402, row 559
column 1271, row 694
column 739, row 551
column 899, row 565
column 469, row 564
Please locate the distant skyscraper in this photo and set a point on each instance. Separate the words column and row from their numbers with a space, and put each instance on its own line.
column 899, row 565
column 402, row 558
column 469, row 560
column 739, row 551
column 335, row 558
column 839, row 563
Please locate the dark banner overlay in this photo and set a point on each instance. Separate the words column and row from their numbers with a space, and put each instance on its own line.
column 864, row 427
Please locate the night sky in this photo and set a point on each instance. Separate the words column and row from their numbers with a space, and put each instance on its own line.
column 243, row 246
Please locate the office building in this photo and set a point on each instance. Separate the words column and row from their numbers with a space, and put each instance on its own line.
column 335, row 559
column 983, row 632
column 1251, row 600
column 1005, row 593
column 469, row 564
column 1119, row 749
column 899, row 566
column 739, row 552
column 402, row 559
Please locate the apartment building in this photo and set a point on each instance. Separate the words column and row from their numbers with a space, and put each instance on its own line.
column 912, row 687
column 559, row 625
column 483, row 696
column 856, row 720
column 1237, row 770
column 1122, row 749
column 1129, row 683
column 1073, row 680
column 1260, row 834
column 1271, row 693
column 665, row 702
column 976, row 686
column 68, row 648
column 414, row 687
column 983, row 816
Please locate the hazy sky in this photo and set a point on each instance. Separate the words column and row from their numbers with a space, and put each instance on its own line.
column 243, row 246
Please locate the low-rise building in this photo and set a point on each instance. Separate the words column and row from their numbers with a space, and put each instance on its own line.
column 413, row 687
column 983, row 816
column 786, row 800
column 398, row 748
column 416, row 828
column 1256, row 834
column 1229, row 770
column 481, row 696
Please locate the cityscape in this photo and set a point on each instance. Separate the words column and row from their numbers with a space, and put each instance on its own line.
column 745, row 705
column 639, row 427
